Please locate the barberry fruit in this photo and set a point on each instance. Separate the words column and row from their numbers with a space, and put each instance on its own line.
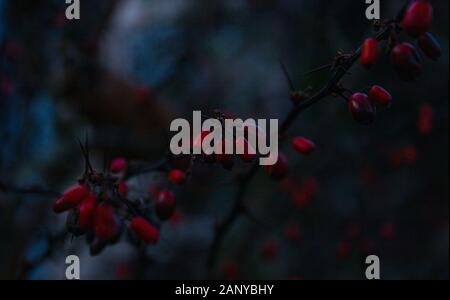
column 87, row 211
column 425, row 122
column 430, row 46
column 71, row 198
column 378, row 94
column 122, row 189
column 369, row 53
column 106, row 225
column 361, row 108
column 280, row 169
column 406, row 61
column 146, row 231
column 118, row 165
column 177, row 176
column 303, row 145
column 418, row 18
column 165, row 205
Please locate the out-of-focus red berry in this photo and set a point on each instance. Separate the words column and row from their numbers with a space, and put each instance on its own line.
column 269, row 250
column 387, row 231
column 87, row 211
column 106, row 225
column 418, row 18
column 144, row 94
column 293, row 231
column 122, row 189
column 71, row 198
column 280, row 169
column 406, row 61
column 230, row 269
column 379, row 95
column 361, row 108
column 368, row 177
column 410, row 154
column 352, row 231
column 146, row 231
column 177, row 177
column 367, row 246
column 369, row 53
column 165, row 205
column 118, row 165
column 343, row 250
column 303, row 145
column 303, row 195
column 425, row 122
column 123, row 271
column 430, row 46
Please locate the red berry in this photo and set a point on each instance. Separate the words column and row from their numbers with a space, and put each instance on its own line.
column 352, row 231
column 118, row 165
column 406, row 61
column 146, row 231
column 269, row 250
column 230, row 269
column 387, row 231
column 304, row 194
column 106, row 225
column 165, row 205
column 430, row 46
column 409, row 154
column 361, row 108
column 303, row 145
column 87, row 211
column 144, row 94
column 425, row 122
column 418, row 18
column 343, row 250
column 379, row 95
column 293, row 231
column 70, row 198
column 177, row 177
column 369, row 53
column 122, row 189
column 280, row 169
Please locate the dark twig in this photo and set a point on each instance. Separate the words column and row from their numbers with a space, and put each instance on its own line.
column 32, row 190
column 327, row 90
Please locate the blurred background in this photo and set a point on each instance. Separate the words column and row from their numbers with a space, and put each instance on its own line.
column 129, row 67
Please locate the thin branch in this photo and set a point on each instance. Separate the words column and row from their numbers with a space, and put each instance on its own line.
column 327, row 90
column 288, row 77
column 32, row 190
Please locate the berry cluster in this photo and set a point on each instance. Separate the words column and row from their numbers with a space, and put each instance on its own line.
column 99, row 207
column 404, row 57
